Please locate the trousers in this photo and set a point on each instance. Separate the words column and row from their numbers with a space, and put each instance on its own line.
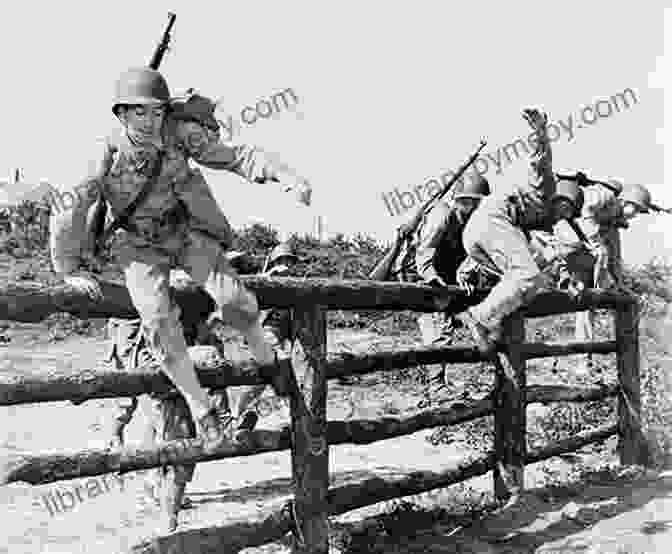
column 147, row 269
column 491, row 238
column 607, row 264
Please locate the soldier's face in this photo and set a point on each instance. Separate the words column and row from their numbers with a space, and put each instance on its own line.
column 145, row 121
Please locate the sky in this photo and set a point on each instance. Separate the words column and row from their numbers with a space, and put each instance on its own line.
column 389, row 94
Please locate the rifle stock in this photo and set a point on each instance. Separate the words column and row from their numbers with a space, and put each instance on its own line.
column 382, row 270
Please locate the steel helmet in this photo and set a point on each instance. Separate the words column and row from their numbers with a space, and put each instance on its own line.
column 476, row 187
column 195, row 107
column 282, row 250
column 140, row 85
column 569, row 190
column 637, row 195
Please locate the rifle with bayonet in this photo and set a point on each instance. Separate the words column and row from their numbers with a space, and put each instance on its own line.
column 583, row 180
column 384, row 267
column 99, row 216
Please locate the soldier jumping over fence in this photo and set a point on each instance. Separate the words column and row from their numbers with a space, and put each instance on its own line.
column 497, row 235
column 170, row 219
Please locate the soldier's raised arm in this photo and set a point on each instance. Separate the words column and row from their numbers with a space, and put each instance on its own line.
column 540, row 173
column 198, row 132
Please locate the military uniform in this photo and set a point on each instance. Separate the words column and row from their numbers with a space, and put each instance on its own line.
column 439, row 250
column 497, row 235
column 178, row 225
column 600, row 220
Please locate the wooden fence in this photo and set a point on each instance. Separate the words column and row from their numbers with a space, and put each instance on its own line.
column 310, row 434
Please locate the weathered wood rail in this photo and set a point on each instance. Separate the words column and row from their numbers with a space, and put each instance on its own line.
column 309, row 435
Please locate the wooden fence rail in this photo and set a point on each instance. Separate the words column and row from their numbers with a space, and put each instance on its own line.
column 309, row 434
column 273, row 523
column 32, row 303
column 38, row 469
column 104, row 382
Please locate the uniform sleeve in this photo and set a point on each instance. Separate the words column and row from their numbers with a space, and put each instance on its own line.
column 540, row 172
column 68, row 235
column 206, row 213
column 206, row 148
column 429, row 238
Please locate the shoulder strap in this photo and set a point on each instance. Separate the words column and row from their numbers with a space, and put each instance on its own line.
column 124, row 217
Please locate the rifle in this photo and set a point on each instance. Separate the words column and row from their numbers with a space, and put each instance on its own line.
column 583, row 180
column 162, row 47
column 97, row 221
column 383, row 268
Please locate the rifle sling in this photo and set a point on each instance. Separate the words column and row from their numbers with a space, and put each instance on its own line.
column 122, row 221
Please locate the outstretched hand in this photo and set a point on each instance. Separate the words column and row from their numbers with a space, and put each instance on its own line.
column 86, row 284
column 303, row 191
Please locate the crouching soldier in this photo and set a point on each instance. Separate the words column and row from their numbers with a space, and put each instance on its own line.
column 440, row 251
column 497, row 235
column 170, row 219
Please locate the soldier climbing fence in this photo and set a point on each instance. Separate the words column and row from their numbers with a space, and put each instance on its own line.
column 310, row 434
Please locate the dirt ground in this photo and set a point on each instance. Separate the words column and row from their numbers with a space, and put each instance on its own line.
column 609, row 512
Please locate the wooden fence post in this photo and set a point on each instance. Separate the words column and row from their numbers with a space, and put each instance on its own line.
column 509, row 402
column 310, row 450
column 633, row 447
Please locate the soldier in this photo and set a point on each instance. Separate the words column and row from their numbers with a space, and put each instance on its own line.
column 559, row 251
column 497, row 235
column 605, row 212
column 177, row 223
column 439, row 250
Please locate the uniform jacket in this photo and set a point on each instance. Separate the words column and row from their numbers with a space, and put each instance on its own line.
column 528, row 205
column 601, row 210
column 439, row 244
column 120, row 167
column 600, row 221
